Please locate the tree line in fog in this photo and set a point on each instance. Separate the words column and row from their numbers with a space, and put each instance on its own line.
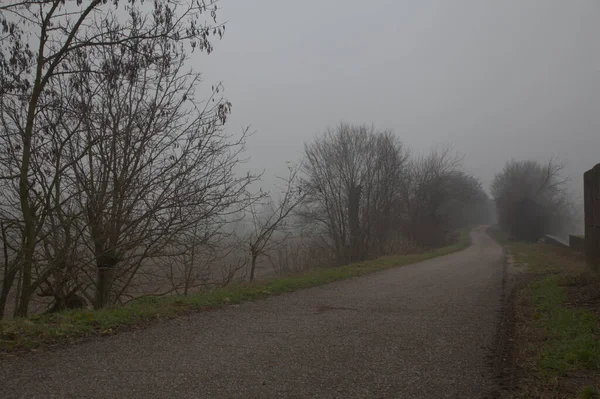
column 119, row 179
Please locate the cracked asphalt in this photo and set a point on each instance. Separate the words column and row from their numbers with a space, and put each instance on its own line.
column 420, row 331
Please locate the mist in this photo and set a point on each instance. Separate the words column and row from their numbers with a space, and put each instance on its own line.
column 498, row 80
column 373, row 199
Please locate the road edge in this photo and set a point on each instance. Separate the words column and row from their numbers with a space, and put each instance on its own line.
column 55, row 331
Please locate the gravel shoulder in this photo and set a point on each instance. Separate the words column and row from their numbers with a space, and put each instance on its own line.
column 420, row 331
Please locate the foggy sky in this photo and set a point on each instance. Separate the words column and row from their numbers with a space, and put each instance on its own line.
column 497, row 79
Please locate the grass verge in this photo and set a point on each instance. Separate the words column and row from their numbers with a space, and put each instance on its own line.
column 557, row 324
column 60, row 328
column 573, row 343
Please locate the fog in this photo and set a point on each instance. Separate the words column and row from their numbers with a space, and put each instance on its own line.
column 119, row 180
column 499, row 80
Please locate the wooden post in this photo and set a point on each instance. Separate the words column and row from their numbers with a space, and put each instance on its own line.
column 591, row 192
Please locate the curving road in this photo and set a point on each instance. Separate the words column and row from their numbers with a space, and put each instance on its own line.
column 418, row 331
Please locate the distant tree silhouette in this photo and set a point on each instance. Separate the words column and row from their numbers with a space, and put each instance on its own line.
column 531, row 198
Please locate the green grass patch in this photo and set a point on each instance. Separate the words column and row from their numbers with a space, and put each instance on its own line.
column 590, row 392
column 571, row 332
column 60, row 328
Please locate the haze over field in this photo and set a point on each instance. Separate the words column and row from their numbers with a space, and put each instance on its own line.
column 498, row 80
column 374, row 198
column 393, row 124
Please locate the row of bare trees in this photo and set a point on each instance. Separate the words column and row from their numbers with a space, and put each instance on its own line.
column 353, row 175
column 117, row 180
column 359, row 194
column 370, row 197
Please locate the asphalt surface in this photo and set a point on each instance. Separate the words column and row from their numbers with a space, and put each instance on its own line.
column 419, row 331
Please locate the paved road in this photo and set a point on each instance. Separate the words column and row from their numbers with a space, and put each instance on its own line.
column 419, row 331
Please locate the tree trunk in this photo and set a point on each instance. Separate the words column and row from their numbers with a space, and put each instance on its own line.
column 26, row 272
column 9, row 278
column 354, row 224
column 8, row 275
column 105, row 276
column 26, row 293
column 29, row 217
column 190, row 269
column 253, row 266
column 18, row 293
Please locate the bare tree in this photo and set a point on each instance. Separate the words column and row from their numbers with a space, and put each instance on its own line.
column 38, row 41
column 437, row 197
column 159, row 163
column 269, row 228
column 354, row 174
column 49, row 190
